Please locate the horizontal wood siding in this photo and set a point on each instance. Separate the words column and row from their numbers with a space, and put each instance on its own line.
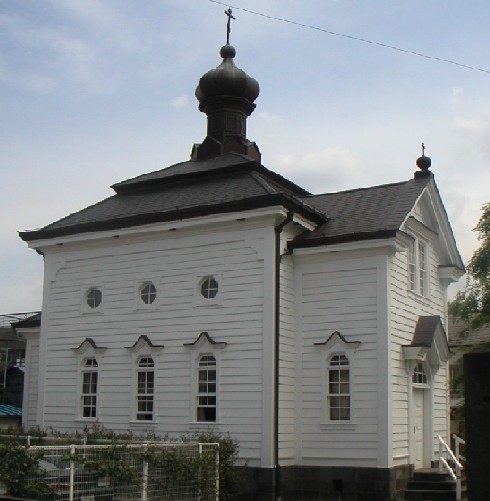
column 174, row 262
column 31, row 380
column 287, row 361
column 339, row 295
column 406, row 307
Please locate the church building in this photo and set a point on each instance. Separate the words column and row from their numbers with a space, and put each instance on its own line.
column 217, row 294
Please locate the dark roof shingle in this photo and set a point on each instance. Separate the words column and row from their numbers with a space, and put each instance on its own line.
column 362, row 213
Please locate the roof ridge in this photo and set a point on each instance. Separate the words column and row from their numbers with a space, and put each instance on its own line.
column 387, row 185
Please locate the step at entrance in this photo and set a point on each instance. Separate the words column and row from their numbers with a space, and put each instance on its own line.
column 431, row 485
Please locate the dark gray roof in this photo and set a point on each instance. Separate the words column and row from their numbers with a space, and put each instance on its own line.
column 183, row 169
column 425, row 330
column 364, row 213
column 460, row 335
column 31, row 321
column 227, row 183
column 235, row 182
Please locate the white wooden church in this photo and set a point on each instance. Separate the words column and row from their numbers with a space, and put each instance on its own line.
column 216, row 294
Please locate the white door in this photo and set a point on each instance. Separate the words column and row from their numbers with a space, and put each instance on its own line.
column 418, row 427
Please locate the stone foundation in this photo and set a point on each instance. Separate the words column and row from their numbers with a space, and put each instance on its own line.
column 317, row 483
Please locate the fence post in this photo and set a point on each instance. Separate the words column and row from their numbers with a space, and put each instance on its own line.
column 144, row 486
column 217, row 472
column 200, row 473
column 72, row 472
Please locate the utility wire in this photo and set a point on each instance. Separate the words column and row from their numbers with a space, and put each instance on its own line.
column 351, row 37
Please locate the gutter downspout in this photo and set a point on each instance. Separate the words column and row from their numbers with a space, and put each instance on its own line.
column 277, row 323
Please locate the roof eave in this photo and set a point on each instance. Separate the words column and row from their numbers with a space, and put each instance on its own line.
column 339, row 239
column 177, row 214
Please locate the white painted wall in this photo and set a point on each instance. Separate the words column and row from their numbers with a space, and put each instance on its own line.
column 406, row 307
column 238, row 253
column 31, row 378
column 338, row 294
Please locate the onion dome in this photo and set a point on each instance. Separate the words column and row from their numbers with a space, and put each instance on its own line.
column 226, row 94
column 227, row 80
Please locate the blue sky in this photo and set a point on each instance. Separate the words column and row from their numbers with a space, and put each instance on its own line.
column 96, row 91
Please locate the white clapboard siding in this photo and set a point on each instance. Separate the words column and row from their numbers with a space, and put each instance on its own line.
column 31, row 382
column 338, row 296
column 288, row 424
column 405, row 309
column 177, row 317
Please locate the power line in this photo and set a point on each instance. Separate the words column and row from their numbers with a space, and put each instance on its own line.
column 351, row 37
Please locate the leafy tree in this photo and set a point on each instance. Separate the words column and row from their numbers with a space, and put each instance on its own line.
column 473, row 304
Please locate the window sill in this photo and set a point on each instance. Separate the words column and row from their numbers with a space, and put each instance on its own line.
column 204, row 423
column 138, row 422
column 338, row 425
column 87, row 420
column 418, row 297
column 92, row 312
column 207, row 302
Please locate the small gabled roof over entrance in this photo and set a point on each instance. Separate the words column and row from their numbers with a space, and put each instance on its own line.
column 429, row 342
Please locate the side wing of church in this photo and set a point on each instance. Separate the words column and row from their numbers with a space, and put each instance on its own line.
column 216, row 294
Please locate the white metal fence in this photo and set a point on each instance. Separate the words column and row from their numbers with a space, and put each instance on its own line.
column 130, row 472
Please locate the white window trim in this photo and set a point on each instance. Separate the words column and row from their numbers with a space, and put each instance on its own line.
column 142, row 349
column 138, row 302
column 146, row 370
column 199, row 394
column 84, row 307
column 84, row 370
column 336, row 344
column 199, row 300
column 330, row 368
column 88, row 349
column 419, row 289
column 203, row 346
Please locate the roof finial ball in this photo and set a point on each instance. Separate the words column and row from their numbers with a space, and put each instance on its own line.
column 423, row 163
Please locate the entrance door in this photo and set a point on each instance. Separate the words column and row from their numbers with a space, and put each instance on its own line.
column 418, row 427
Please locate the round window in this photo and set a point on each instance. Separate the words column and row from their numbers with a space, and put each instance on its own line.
column 148, row 293
column 209, row 288
column 94, row 297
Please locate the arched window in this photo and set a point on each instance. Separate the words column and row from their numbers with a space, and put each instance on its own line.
column 339, row 392
column 89, row 388
column 419, row 375
column 207, row 389
column 145, row 389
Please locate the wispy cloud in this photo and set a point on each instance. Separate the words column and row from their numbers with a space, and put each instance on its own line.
column 322, row 169
column 180, row 101
column 269, row 117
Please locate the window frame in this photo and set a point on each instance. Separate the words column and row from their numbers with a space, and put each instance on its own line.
column 199, row 298
column 422, row 374
column 148, row 394
column 143, row 348
column 336, row 345
column 338, row 368
column 418, row 263
column 141, row 287
column 202, row 368
column 85, row 307
column 204, row 345
column 90, row 370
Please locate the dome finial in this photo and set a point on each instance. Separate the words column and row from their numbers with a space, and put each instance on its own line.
column 228, row 13
column 423, row 163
